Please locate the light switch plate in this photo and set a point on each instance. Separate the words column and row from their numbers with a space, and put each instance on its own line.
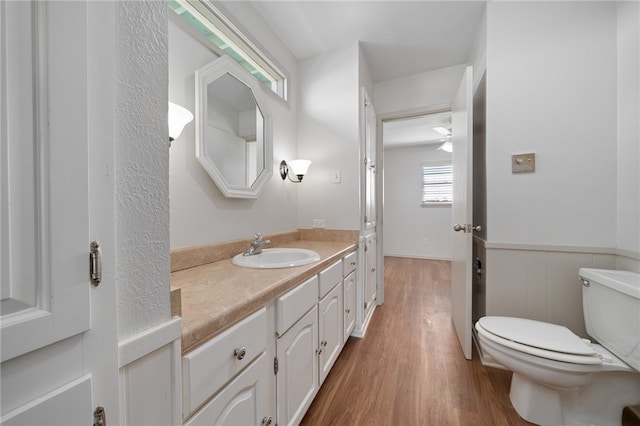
column 336, row 176
column 523, row 163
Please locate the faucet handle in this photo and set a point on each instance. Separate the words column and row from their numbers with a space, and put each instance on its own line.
column 257, row 236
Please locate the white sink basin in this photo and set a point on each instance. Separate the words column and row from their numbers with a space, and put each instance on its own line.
column 277, row 258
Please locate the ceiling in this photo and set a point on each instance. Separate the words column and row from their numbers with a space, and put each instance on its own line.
column 398, row 38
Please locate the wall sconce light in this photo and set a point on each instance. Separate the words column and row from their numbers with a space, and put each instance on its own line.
column 296, row 167
column 178, row 118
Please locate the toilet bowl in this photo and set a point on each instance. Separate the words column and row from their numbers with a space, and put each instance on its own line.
column 560, row 378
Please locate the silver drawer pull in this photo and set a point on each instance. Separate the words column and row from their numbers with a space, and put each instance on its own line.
column 240, row 353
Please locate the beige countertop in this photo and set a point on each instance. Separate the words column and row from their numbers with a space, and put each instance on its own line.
column 218, row 294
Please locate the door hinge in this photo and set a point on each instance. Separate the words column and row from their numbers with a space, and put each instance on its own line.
column 99, row 417
column 275, row 365
column 95, row 263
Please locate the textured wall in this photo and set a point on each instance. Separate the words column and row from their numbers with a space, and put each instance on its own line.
column 142, row 164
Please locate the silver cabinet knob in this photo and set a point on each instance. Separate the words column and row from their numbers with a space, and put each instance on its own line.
column 467, row 228
column 267, row 421
column 240, row 353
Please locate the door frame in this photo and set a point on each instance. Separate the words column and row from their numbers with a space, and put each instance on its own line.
column 380, row 119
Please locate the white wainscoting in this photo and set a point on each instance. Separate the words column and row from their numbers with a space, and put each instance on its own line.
column 541, row 282
column 151, row 376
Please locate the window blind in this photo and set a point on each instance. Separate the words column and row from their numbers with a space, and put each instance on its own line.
column 437, row 184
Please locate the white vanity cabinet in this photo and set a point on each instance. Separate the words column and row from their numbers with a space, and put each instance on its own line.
column 310, row 330
column 267, row 368
column 370, row 277
column 297, row 351
column 226, row 380
column 244, row 401
column 330, row 317
column 349, row 289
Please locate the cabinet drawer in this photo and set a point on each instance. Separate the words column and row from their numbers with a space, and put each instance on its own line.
column 329, row 277
column 294, row 304
column 206, row 369
column 348, row 264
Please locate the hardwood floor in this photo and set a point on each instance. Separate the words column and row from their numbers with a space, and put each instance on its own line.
column 410, row 370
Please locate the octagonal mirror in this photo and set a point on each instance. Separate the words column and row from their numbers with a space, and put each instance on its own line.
column 233, row 129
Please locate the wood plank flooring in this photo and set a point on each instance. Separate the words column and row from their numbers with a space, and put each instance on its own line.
column 410, row 370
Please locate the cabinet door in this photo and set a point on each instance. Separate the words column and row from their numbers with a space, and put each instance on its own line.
column 349, row 304
column 297, row 377
column 330, row 328
column 370, row 274
column 242, row 402
column 59, row 347
column 369, row 162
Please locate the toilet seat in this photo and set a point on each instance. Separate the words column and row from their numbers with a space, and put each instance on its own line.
column 538, row 338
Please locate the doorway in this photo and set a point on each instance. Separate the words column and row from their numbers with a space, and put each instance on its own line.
column 410, row 144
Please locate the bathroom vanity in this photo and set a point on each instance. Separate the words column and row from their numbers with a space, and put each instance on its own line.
column 258, row 343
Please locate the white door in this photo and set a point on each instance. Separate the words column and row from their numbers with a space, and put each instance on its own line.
column 369, row 163
column 297, row 377
column 57, row 330
column 370, row 273
column 330, row 328
column 462, row 208
column 349, row 305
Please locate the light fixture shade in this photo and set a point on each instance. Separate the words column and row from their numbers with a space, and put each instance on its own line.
column 178, row 118
column 447, row 146
column 299, row 167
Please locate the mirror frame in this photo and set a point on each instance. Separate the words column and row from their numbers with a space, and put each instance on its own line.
column 208, row 74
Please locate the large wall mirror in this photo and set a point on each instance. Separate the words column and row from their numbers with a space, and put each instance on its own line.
column 233, row 129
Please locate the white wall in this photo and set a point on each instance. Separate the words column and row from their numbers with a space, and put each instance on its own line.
column 411, row 230
column 551, row 90
column 200, row 214
column 628, row 178
column 328, row 135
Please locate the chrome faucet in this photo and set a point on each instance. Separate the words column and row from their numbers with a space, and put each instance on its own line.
column 256, row 245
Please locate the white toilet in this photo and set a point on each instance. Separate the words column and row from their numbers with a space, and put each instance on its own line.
column 561, row 379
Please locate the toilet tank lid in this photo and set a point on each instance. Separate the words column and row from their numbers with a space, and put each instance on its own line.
column 623, row 281
column 537, row 334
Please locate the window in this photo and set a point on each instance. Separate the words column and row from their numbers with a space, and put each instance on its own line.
column 227, row 39
column 437, row 184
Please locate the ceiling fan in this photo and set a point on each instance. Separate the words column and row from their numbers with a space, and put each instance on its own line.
column 446, row 146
